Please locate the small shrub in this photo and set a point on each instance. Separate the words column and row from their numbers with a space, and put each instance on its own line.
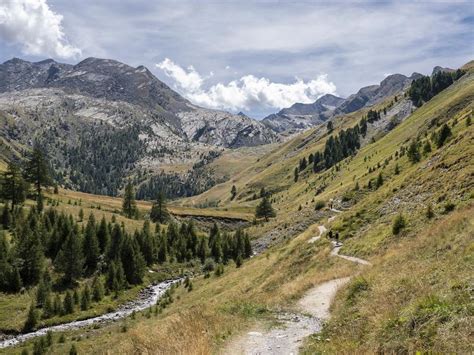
column 219, row 270
column 73, row 350
column 429, row 212
column 124, row 328
column 399, row 224
column 32, row 319
column 319, row 205
column 449, row 207
column 49, row 338
column 209, row 265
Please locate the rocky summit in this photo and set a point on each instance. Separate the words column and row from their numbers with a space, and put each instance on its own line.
column 133, row 123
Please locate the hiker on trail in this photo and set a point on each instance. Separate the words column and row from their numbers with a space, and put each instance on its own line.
column 337, row 238
column 330, row 235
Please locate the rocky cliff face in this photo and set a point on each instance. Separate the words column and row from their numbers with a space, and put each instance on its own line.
column 303, row 116
column 101, row 105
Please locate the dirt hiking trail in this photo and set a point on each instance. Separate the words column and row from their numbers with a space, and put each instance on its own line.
column 313, row 310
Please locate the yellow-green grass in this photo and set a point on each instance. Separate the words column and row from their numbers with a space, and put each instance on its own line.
column 274, row 171
column 418, row 298
column 454, row 103
column 199, row 321
column 15, row 307
column 220, row 307
column 72, row 202
column 217, row 308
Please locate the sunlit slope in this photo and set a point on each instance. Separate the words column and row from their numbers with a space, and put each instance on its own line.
column 424, row 271
column 274, row 170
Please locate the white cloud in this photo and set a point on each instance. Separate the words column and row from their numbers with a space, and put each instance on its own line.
column 246, row 93
column 189, row 81
column 35, row 27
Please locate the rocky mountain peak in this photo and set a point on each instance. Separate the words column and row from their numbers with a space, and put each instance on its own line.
column 438, row 69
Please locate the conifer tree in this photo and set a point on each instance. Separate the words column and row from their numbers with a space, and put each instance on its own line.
column 147, row 243
column 32, row 319
column 116, row 243
column 399, row 223
column 29, row 253
column 14, row 188
column 121, row 281
column 379, row 181
column 37, row 172
column 247, row 246
column 233, row 192
column 397, row 169
column 91, row 246
column 86, row 298
column 216, row 246
column 57, row 305
column 295, row 174
column 5, row 268
column 159, row 212
column 48, row 307
column 70, row 258
column 44, row 289
column 103, row 235
column 162, row 248
column 413, row 152
column 330, row 126
column 15, row 280
column 363, row 126
column 68, row 303
column 265, row 209
column 303, row 164
column 111, row 277
column 429, row 212
column 6, row 216
column 76, row 298
column 427, row 147
column 238, row 261
column 203, row 249
column 443, row 135
column 129, row 206
column 97, row 289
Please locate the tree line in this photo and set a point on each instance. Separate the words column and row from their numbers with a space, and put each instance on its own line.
column 424, row 88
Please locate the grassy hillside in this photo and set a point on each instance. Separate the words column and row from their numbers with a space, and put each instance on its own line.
column 417, row 295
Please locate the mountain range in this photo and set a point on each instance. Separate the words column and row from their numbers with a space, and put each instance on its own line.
column 106, row 114
column 303, row 116
column 103, row 122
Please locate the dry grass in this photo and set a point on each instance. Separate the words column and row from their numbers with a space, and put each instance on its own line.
column 406, row 270
column 417, row 297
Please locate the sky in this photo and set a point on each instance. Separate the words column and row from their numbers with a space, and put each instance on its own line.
column 251, row 56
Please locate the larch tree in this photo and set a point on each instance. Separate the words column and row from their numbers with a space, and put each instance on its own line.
column 37, row 172
column 264, row 209
column 159, row 212
column 14, row 187
column 129, row 206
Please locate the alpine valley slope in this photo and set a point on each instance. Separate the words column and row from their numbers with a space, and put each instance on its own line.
column 120, row 120
column 417, row 296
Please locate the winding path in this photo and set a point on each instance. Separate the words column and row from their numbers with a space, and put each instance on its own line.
column 313, row 309
column 147, row 298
